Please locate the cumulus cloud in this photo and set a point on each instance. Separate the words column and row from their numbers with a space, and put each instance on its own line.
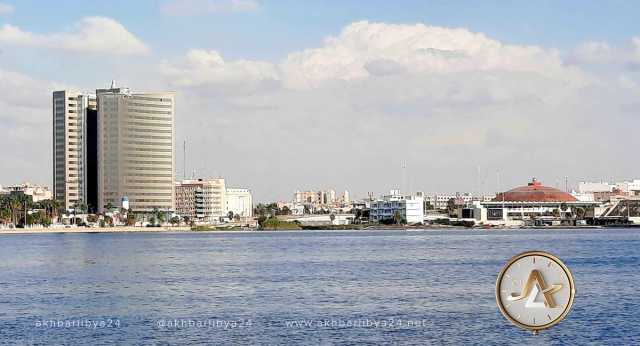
column 603, row 53
column 202, row 68
column 363, row 46
column 5, row 9
column 346, row 113
column 91, row 34
column 195, row 7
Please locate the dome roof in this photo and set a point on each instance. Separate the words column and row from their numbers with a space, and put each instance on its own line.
column 534, row 192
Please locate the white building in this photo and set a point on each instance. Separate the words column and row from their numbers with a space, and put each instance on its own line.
column 240, row 202
column 440, row 201
column 136, row 149
column 410, row 208
column 345, row 197
column 591, row 187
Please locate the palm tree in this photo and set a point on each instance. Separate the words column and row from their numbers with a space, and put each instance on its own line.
column 397, row 217
column 14, row 205
column 5, row 211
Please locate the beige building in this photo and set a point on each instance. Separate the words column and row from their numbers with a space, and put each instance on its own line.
column 37, row 192
column 201, row 200
column 240, row 202
column 72, row 112
column 135, row 149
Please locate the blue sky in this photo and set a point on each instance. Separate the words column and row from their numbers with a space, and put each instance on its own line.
column 277, row 27
column 467, row 85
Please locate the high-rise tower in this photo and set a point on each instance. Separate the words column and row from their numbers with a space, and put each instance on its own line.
column 73, row 116
column 135, row 149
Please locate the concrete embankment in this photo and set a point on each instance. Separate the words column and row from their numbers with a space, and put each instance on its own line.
column 91, row 230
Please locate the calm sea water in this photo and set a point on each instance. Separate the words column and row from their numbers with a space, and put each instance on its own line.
column 342, row 288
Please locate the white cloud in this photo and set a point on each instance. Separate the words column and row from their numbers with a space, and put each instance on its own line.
column 195, row 7
column 5, row 9
column 417, row 48
column 602, row 53
column 345, row 114
column 91, row 34
column 25, row 124
column 208, row 68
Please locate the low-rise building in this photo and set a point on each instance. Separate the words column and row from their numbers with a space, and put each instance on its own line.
column 201, row 200
column 409, row 208
column 533, row 204
column 36, row 192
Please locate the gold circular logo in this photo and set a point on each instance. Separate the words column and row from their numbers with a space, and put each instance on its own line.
column 535, row 290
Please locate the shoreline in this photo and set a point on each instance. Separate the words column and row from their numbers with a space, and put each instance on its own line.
column 186, row 229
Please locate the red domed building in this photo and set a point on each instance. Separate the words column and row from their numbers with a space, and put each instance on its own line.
column 534, row 192
column 534, row 204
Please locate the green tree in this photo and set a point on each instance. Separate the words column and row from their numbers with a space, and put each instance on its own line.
column 428, row 205
column 230, row 215
column 175, row 220
column 451, row 206
column 131, row 218
column 332, row 217
column 397, row 217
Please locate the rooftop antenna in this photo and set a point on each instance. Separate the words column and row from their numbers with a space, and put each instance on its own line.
column 184, row 160
column 403, row 165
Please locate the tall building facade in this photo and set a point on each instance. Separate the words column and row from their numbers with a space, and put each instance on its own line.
column 135, row 144
column 202, row 200
column 74, row 118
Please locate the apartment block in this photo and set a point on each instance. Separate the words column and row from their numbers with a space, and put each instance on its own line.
column 202, row 200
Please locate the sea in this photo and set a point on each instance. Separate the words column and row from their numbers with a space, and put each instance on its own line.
column 427, row 287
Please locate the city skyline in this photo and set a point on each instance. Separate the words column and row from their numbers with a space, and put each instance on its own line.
column 331, row 104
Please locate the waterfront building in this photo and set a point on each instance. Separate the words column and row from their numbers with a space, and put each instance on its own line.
column 441, row 201
column 321, row 219
column 136, row 149
column 36, row 192
column 240, row 202
column 74, row 148
column 533, row 204
column 321, row 200
column 410, row 208
column 201, row 200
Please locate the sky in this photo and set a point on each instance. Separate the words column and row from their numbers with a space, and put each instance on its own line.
column 279, row 96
